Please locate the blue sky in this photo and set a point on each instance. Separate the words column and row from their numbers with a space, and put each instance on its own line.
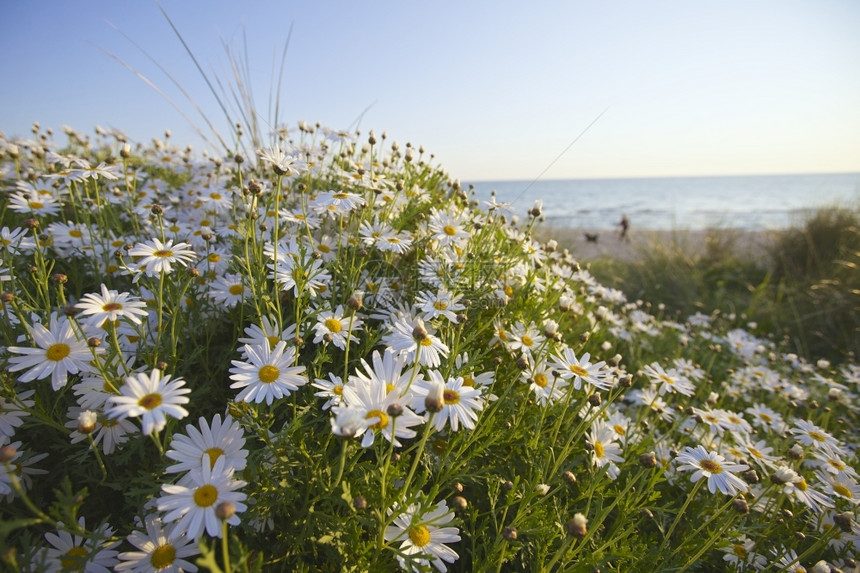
column 494, row 89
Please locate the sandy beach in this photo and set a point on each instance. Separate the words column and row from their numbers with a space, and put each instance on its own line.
column 607, row 244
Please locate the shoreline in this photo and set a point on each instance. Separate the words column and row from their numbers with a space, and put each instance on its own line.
column 606, row 243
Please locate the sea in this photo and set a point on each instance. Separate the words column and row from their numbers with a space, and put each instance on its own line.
column 748, row 202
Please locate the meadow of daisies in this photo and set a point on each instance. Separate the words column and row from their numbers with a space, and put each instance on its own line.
column 325, row 355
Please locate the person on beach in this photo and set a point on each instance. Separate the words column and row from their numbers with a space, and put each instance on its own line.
column 625, row 226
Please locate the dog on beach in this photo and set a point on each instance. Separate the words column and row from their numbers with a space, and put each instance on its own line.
column 591, row 237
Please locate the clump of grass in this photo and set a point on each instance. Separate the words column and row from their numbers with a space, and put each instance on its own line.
column 817, row 281
column 686, row 280
column 804, row 286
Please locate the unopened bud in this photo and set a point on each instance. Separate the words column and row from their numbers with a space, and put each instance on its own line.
column 7, row 454
column 741, row 506
column 460, row 502
column 394, row 410
column 648, row 460
column 569, row 477
column 578, row 526
column 510, row 533
column 359, row 503
column 843, row 521
column 87, row 422
column 435, row 400
column 419, row 333
column 225, row 510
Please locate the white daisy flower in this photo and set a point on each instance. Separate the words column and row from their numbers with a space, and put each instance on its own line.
column 13, row 412
column 152, row 397
column 229, row 290
column 192, row 506
column 714, row 467
column 372, row 397
column 570, row 367
column 334, row 327
column 410, row 338
column 547, row 388
column 331, row 390
column 157, row 552
column 459, row 402
column 74, row 552
column 160, row 257
column 111, row 306
column 58, row 353
column 422, row 535
column 215, row 440
column 267, row 373
column 605, row 449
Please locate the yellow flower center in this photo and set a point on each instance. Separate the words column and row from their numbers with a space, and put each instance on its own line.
column 818, row 437
column 205, row 495
column 711, row 466
column 599, row 451
column 163, row 253
column 213, row 257
column 340, row 196
column 419, row 535
column 236, row 290
column 449, row 230
column 268, row 374
column 468, row 381
column 333, row 325
column 426, row 342
column 540, row 380
column 73, row 559
column 337, row 390
column 666, row 379
column 739, row 550
column 836, row 464
column 323, row 248
column 35, row 204
column 214, row 454
column 451, row 396
column 111, row 306
column 75, row 233
column 162, row 557
column 383, row 419
column 578, row 370
column 527, row 340
column 273, row 341
column 802, row 485
column 150, row 401
column 57, row 352
column 843, row 491
column 755, row 452
column 619, row 429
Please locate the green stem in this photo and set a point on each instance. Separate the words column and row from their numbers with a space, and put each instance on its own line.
column 679, row 514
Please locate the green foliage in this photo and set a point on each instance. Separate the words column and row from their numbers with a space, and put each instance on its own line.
column 571, row 402
column 804, row 287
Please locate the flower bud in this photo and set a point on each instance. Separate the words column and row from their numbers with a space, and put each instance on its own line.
column 419, row 333
column 225, row 510
column 648, row 460
column 435, row 399
column 359, row 503
column 578, row 526
column 510, row 533
column 394, row 410
column 7, row 453
column 460, row 502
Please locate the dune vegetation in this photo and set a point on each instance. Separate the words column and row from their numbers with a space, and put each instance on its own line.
column 325, row 355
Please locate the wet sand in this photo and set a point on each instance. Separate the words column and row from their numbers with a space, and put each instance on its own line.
column 747, row 244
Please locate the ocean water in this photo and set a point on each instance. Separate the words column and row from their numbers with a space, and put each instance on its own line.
column 759, row 202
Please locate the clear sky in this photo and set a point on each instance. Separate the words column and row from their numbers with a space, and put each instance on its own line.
column 495, row 89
